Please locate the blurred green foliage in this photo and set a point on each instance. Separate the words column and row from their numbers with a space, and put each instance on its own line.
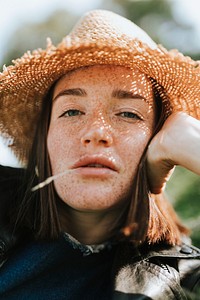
column 31, row 36
column 183, row 190
column 157, row 18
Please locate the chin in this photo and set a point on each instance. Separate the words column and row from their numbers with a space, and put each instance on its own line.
column 100, row 198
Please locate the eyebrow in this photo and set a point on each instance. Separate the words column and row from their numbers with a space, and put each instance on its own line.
column 71, row 92
column 123, row 94
column 119, row 94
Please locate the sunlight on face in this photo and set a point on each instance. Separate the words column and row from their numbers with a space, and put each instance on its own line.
column 101, row 121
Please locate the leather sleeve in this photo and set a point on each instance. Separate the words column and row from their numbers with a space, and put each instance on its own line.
column 190, row 277
column 10, row 183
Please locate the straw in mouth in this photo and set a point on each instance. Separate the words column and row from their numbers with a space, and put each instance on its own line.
column 49, row 180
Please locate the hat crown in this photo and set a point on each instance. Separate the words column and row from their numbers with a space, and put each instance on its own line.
column 106, row 25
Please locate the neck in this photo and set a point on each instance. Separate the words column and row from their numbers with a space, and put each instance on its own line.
column 90, row 227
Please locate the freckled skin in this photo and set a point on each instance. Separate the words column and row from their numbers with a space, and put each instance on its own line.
column 100, row 129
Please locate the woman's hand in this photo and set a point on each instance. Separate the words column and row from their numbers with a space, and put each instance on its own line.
column 177, row 143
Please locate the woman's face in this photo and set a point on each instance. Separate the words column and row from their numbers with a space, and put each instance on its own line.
column 102, row 118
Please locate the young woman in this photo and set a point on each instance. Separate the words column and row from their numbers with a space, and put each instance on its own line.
column 87, row 218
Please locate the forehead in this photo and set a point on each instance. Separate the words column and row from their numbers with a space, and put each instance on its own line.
column 109, row 75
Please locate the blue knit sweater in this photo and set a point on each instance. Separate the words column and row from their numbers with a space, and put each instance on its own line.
column 62, row 269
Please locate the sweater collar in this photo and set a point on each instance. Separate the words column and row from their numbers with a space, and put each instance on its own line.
column 86, row 249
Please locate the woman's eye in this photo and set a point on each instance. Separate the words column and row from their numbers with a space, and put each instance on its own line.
column 130, row 115
column 71, row 113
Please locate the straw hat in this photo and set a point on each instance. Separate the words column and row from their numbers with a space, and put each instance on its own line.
column 100, row 37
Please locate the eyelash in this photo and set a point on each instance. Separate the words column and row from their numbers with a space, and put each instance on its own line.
column 70, row 111
column 125, row 114
column 130, row 115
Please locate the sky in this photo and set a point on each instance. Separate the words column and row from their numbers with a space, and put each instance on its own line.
column 189, row 10
column 16, row 12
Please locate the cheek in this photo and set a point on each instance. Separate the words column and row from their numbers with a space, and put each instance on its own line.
column 137, row 137
column 58, row 145
column 133, row 143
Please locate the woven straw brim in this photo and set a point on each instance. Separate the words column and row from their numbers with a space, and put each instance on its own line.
column 24, row 84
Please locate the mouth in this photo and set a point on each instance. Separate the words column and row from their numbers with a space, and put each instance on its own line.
column 96, row 165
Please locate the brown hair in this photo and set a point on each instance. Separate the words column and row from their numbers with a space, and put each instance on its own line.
column 155, row 222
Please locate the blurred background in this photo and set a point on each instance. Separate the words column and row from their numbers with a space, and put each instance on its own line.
column 25, row 25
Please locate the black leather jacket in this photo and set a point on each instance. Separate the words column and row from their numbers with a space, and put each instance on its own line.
column 158, row 273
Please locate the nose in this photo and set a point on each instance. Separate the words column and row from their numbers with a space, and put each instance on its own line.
column 97, row 135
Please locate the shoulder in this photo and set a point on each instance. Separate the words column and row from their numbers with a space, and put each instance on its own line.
column 10, row 172
column 10, row 183
column 185, row 259
column 184, row 251
column 173, row 272
column 10, row 179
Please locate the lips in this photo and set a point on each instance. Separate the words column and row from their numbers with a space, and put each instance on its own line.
column 97, row 162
